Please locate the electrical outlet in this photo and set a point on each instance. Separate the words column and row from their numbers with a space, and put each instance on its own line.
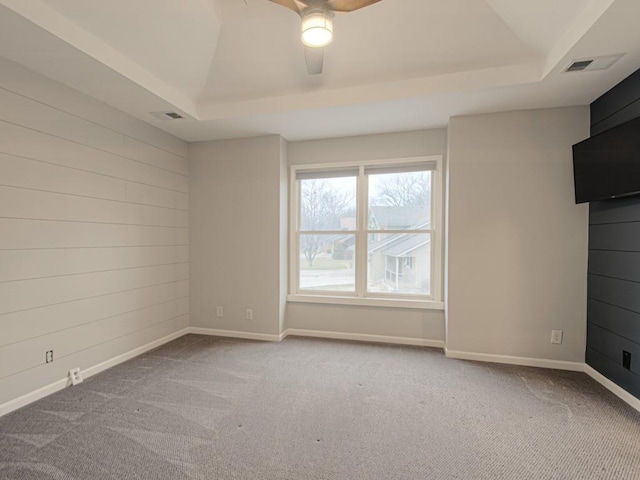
column 76, row 376
column 556, row 336
column 249, row 314
column 219, row 312
column 48, row 356
column 626, row 360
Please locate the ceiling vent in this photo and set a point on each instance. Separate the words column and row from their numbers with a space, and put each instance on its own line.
column 590, row 64
column 579, row 66
column 167, row 115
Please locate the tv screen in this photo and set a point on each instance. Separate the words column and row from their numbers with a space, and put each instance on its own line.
column 607, row 165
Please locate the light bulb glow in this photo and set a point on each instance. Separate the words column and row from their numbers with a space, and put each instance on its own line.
column 317, row 29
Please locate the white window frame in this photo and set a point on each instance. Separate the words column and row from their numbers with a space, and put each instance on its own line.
column 360, row 297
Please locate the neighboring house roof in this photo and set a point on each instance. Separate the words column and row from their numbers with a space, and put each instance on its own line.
column 398, row 218
column 405, row 245
column 396, row 238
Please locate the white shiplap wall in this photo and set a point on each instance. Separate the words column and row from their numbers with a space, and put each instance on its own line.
column 93, row 232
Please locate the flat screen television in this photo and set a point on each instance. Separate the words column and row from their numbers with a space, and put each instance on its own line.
column 607, row 165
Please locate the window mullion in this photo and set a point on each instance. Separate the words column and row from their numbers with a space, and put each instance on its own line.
column 361, row 235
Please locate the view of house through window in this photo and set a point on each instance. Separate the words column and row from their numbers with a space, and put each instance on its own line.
column 387, row 252
column 399, row 246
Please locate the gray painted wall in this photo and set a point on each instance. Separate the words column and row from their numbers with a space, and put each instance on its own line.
column 237, row 224
column 517, row 241
column 94, row 239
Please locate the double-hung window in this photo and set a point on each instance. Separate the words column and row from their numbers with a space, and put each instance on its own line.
column 367, row 233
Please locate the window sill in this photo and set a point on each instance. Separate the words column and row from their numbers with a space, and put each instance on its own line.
column 367, row 302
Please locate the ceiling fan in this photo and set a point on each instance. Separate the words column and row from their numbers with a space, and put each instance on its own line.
column 317, row 24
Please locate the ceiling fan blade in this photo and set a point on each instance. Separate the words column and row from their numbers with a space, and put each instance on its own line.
column 349, row 5
column 290, row 4
column 314, row 58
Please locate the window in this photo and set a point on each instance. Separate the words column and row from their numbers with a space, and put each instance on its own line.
column 367, row 233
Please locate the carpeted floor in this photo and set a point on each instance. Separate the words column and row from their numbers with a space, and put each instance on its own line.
column 214, row 408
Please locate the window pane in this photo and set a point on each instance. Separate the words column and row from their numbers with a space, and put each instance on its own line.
column 327, row 262
column 399, row 263
column 328, row 204
column 400, row 201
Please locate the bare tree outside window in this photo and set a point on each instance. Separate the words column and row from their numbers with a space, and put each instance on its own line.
column 322, row 206
column 403, row 190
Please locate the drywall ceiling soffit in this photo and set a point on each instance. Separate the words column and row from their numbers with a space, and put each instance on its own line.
column 399, row 64
column 173, row 40
column 163, row 46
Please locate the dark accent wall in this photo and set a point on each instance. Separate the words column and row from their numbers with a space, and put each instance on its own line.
column 613, row 305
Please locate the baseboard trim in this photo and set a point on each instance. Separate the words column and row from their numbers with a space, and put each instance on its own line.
column 112, row 362
column 237, row 334
column 362, row 337
column 612, row 387
column 58, row 385
column 523, row 361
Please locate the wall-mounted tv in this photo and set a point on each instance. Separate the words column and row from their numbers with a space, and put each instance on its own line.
column 607, row 165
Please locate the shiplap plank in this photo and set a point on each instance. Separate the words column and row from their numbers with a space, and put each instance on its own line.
column 141, row 235
column 20, row 326
column 622, row 265
column 616, row 210
column 28, row 264
column 26, row 173
column 27, row 234
column 615, row 292
column 615, row 236
column 68, row 342
column 615, row 319
column 21, row 203
column 152, row 155
column 628, row 113
column 25, row 294
column 24, row 142
column 148, row 195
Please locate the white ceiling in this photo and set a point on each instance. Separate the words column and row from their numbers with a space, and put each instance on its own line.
column 236, row 67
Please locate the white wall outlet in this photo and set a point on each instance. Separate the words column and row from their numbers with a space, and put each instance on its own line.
column 48, row 356
column 76, row 376
column 556, row 336
column 219, row 312
column 249, row 314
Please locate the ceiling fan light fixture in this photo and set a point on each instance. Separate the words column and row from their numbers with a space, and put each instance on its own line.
column 317, row 28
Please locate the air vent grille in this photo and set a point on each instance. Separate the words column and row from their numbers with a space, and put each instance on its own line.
column 578, row 66
column 591, row 64
column 167, row 116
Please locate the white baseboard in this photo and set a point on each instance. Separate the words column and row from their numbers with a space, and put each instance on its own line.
column 133, row 353
column 42, row 392
column 524, row 361
column 236, row 334
column 362, row 337
column 612, row 387
column 19, row 402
